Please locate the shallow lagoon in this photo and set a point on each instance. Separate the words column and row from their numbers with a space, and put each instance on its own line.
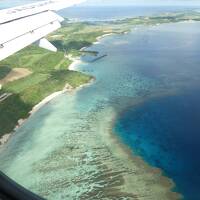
column 61, row 150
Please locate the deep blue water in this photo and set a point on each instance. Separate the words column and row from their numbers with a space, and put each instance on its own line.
column 164, row 127
column 165, row 131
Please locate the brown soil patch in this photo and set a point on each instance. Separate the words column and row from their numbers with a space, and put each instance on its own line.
column 15, row 74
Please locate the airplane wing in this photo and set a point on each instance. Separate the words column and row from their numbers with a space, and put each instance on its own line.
column 23, row 25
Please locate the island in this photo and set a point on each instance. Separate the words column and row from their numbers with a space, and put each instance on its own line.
column 35, row 75
column 32, row 74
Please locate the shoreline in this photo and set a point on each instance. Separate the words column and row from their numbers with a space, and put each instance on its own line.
column 98, row 39
column 67, row 89
column 72, row 67
column 5, row 138
column 111, row 139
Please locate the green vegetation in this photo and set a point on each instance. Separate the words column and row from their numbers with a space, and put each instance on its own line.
column 49, row 74
column 4, row 71
column 165, row 18
column 74, row 36
column 50, row 70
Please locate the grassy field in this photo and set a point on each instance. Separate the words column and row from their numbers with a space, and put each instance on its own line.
column 74, row 36
column 49, row 73
column 50, row 70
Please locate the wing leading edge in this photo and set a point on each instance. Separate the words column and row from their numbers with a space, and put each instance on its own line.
column 23, row 25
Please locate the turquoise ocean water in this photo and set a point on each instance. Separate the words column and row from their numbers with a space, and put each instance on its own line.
column 150, row 78
column 150, row 81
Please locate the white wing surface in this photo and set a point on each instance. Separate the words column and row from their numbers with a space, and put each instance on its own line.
column 23, row 25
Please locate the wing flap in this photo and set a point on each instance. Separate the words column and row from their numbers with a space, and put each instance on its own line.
column 10, row 14
column 44, row 43
column 15, row 29
column 23, row 25
column 19, row 43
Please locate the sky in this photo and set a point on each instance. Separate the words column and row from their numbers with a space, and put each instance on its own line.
column 142, row 2
column 9, row 3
